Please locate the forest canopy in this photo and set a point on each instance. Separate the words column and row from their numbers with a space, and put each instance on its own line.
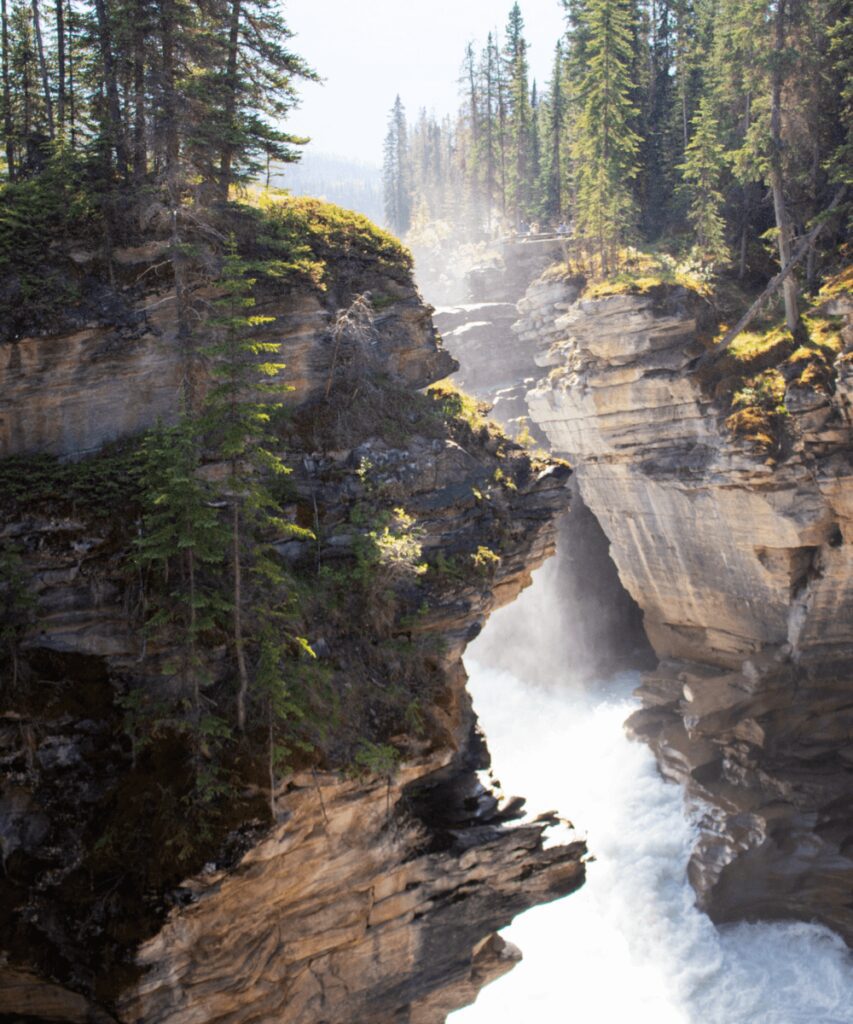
column 189, row 96
column 699, row 124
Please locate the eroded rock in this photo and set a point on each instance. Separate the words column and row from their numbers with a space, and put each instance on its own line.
column 741, row 564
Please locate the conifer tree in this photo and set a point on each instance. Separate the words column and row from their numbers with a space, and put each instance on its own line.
column 703, row 166
column 396, row 171
column 554, row 135
column 181, row 551
column 840, row 55
column 520, row 115
column 605, row 147
column 236, row 418
column 16, row 604
column 489, row 141
column 777, row 183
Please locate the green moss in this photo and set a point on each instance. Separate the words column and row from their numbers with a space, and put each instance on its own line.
column 759, row 410
column 304, row 236
column 750, row 345
column 485, row 561
column 825, row 333
column 839, row 284
column 380, row 301
column 456, row 404
column 642, row 271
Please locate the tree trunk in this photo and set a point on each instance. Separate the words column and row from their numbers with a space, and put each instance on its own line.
column 239, row 648
column 72, row 110
column 7, row 93
column 792, row 316
column 271, row 758
column 230, row 111
column 191, row 643
column 60, row 64
column 45, row 79
column 114, row 120
column 167, row 143
column 783, row 275
column 139, row 151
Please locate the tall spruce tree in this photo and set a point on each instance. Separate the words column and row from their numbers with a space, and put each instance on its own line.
column 519, row 117
column 488, row 156
column 702, row 171
column 554, row 140
column 181, row 552
column 606, row 145
column 396, row 171
column 236, row 419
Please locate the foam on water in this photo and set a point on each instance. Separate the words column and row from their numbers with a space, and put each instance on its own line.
column 630, row 945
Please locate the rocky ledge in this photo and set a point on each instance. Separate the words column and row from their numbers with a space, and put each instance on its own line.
column 738, row 547
column 323, row 895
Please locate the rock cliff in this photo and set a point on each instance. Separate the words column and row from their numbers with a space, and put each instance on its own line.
column 376, row 892
column 738, row 547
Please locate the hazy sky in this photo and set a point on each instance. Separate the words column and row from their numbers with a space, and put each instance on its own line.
column 370, row 50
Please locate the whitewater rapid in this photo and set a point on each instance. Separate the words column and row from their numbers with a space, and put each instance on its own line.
column 630, row 945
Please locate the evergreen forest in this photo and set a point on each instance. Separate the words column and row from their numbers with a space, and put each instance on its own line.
column 718, row 129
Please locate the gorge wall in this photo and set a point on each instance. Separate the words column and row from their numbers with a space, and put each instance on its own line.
column 375, row 894
column 497, row 357
column 738, row 547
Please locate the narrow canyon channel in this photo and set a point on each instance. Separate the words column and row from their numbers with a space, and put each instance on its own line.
column 630, row 945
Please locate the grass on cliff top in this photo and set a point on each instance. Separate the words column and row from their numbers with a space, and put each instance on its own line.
column 839, row 284
column 57, row 268
column 641, row 271
column 638, row 272
column 760, row 365
column 309, row 234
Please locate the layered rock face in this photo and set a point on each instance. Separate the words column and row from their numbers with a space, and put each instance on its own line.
column 497, row 356
column 742, row 566
column 480, row 333
column 371, row 897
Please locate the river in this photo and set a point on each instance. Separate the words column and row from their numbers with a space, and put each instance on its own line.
column 630, row 945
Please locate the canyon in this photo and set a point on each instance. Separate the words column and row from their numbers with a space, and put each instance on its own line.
column 717, row 562
column 737, row 552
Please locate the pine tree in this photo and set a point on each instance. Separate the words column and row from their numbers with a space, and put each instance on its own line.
column 16, row 605
column 396, row 171
column 181, row 551
column 777, row 183
column 702, row 170
column 489, row 136
column 236, row 419
column 840, row 54
column 605, row 148
column 519, row 116
column 554, row 135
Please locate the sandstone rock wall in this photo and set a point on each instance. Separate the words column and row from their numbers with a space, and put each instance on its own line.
column 368, row 899
column 741, row 564
column 70, row 394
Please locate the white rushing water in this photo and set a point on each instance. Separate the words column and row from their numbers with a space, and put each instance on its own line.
column 629, row 945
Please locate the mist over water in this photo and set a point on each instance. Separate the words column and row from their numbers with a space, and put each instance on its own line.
column 630, row 945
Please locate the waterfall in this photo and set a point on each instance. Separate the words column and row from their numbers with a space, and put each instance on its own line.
column 630, row 945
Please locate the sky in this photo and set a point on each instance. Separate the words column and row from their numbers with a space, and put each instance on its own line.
column 368, row 51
